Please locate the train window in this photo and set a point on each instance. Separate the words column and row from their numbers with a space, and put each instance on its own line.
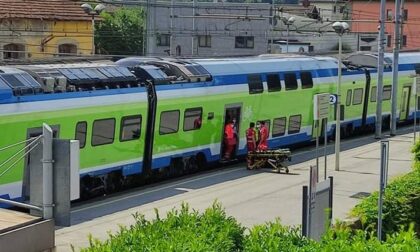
column 306, row 79
column 81, row 130
column 290, row 81
column 130, row 128
column 373, row 94
column 192, row 118
column 279, row 126
column 169, row 122
column 348, row 97
column 294, row 124
column 357, row 96
column 386, row 94
column 273, row 82
column 255, row 84
column 103, row 131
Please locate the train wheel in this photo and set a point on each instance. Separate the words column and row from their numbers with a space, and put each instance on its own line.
column 191, row 164
column 201, row 161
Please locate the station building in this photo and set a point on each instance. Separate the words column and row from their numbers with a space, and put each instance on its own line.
column 31, row 29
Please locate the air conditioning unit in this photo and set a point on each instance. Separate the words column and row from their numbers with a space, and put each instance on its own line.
column 61, row 84
column 48, row 84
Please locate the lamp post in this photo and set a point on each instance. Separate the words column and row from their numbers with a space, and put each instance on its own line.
column 340, row 28
column 93, row 12
column 288, row 21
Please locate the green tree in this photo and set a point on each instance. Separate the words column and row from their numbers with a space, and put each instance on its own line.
column 121, row 32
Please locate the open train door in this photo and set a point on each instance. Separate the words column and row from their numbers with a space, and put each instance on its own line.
column 232, row 113
column 405, row 103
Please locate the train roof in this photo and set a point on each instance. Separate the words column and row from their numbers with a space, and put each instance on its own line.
column 265, row 63
column 22, row 80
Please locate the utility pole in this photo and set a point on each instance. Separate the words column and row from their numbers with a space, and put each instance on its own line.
column 379, row 88
column 193, row 29
column 150, row 27
column 395, row 68
column 171, row 38
column 402, row 23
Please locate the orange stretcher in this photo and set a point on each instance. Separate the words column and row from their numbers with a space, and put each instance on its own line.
column 276, row 159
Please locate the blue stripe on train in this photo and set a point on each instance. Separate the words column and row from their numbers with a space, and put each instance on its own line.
column 218, row 81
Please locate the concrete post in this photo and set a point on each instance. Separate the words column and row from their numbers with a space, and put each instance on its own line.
column 47, row 172
column 395, row 69
column 379, row 88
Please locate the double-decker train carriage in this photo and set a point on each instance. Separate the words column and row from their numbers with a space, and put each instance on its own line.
column 149, row 118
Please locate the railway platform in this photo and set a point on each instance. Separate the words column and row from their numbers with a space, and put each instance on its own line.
column 251, row 196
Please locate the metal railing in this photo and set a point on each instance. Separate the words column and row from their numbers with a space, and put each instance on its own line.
column 47, row 174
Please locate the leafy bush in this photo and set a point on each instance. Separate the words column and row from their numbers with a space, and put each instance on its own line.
column 275, row 237
column 272, row 236
column 182, row 230
column 401, row 205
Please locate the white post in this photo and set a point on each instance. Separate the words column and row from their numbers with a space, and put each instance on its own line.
column 337, row 124
column 47, row 172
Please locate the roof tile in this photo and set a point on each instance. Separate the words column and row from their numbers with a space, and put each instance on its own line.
column 43, row 9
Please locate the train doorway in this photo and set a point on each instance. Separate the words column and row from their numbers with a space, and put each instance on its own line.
column 405, row 103
column 229, row 145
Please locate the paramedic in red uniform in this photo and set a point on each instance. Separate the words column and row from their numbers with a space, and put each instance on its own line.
column 230, row 140
column 250, row 142
column 263, row 144
column 251, row 137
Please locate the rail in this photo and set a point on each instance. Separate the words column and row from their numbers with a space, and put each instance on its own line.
column 19, row 204
column 47, row 175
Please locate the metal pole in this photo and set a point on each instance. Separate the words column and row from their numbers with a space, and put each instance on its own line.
column 193, row 29
column 384, row 156
column 47, row 172
column 305, row 210
column 93, row 34
column 317, row 142
column 19, row 204
column 325, row 148
column 272, row 27
column 337, row 123
column 171, row 28
column 415, row 115
column 402, row 22
column 287, row 40
column 379, row 88
column 395, row 69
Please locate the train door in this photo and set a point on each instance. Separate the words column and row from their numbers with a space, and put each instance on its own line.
column 232, row 116
column 31, row 133
column 405, row 103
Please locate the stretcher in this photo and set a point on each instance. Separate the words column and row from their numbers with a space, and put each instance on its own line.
column 276, row 159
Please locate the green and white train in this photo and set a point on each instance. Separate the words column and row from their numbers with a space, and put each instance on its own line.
column 137, row 118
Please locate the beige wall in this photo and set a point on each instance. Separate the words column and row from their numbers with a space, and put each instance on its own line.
column 42, row 38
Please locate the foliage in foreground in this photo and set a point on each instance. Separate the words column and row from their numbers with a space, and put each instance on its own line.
column 188, row 230
column 181, row 230
column 401, row 205
column 273, row 236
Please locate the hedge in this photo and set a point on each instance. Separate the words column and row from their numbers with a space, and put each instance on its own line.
column 401, row 205
column 213, row 230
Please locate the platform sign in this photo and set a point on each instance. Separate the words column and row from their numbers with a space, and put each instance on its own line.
column 312, row 183
column 417, row 85
column 321, row 106
column 333, row 99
